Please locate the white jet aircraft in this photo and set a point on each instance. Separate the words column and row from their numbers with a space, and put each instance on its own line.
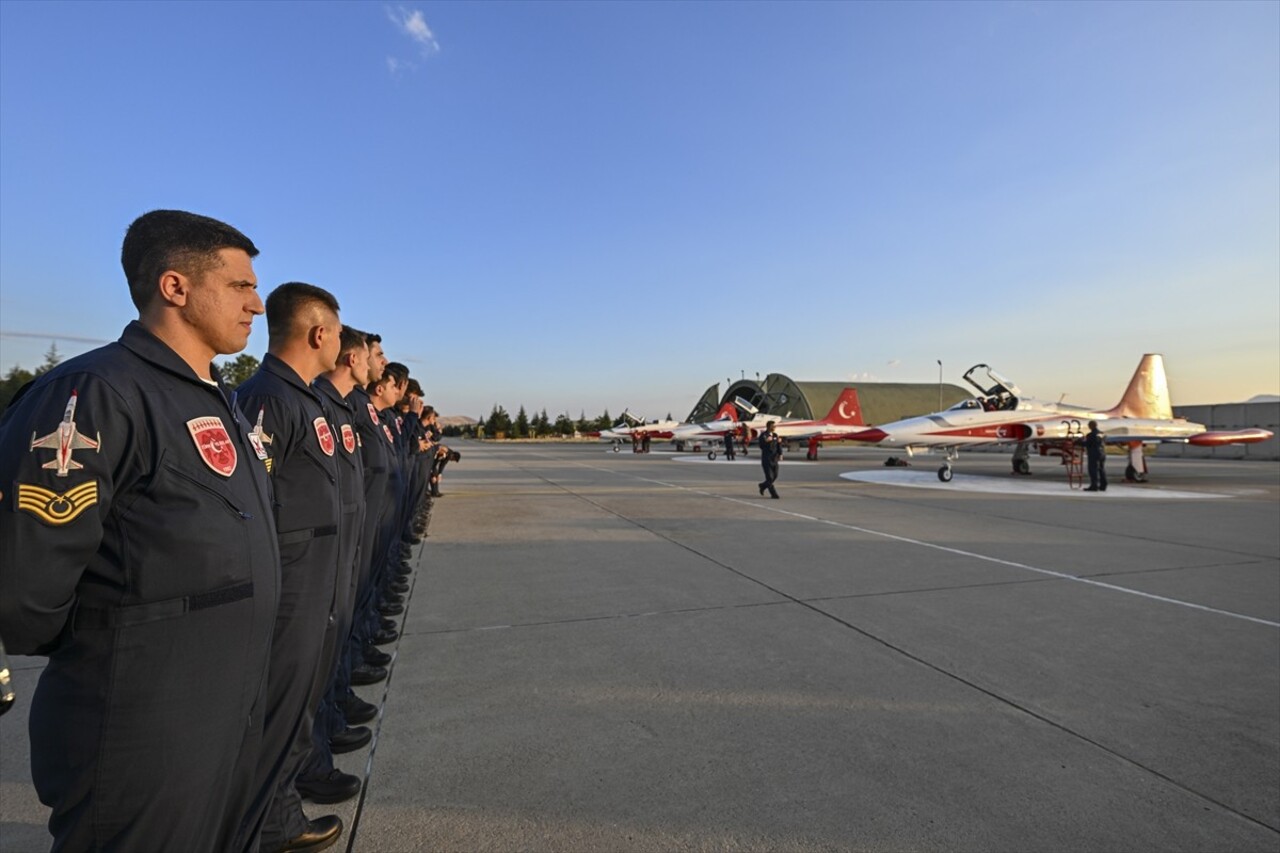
column 1000, row 414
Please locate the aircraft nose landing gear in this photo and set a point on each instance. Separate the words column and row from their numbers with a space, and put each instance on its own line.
column 944, row 473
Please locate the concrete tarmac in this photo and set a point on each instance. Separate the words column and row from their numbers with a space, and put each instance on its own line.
column 620, row 652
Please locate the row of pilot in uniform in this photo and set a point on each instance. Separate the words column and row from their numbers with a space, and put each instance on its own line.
column 208, row 570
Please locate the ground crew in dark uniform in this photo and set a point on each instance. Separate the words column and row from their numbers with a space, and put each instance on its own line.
column 729, row 451
column 319, row 780
column 138, row 551
column 1095, row 448
column 288, row 416
column 770, row 456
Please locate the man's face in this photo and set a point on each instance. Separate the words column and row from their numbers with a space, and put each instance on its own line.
column 360, row 365
column 223, row 301
column 377, row 362
column 391, row 393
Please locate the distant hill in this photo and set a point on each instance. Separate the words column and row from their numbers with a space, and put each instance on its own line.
column 1264, row 398
column 457, row 421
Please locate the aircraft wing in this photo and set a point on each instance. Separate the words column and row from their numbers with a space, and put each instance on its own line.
column 79, row 442
column 50, row 440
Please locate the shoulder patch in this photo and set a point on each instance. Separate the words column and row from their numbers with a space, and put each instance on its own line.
column 348, row 438
column 387, row 431
column 373, row 413
column 53, row 508
column 64, row 440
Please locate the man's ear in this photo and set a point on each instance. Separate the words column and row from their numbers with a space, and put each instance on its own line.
column 174, row 288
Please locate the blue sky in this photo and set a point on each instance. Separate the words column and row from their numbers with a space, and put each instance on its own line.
column 582, row 205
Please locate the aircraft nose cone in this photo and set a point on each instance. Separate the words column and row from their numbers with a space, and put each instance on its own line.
column 870, row 436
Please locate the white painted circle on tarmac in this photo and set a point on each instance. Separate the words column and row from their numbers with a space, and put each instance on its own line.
column 1011, row 485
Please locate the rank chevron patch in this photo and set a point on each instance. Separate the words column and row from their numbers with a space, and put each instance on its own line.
column 53, row 508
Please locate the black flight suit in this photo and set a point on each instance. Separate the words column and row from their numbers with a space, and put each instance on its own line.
column 146, row 569
column 329, row 720
column 302, row 447
column 770, row 456
column 376, row 451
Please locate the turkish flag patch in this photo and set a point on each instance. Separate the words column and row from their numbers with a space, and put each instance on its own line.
column 325, row 435
column 214, row 444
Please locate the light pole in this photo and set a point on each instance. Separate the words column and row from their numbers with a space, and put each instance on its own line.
column 939, row 385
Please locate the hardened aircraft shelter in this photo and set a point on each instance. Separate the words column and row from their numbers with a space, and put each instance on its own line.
column 781, row 395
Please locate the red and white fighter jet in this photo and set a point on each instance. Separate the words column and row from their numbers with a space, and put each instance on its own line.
column 1000, row 414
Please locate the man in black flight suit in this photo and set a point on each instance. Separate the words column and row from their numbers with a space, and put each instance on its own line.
column 303, row 341
column 770, row 456
column 138, row 551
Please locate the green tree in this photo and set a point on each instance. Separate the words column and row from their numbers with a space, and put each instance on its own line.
column 564, row 424
column 499, row 422
column 13, row 380
column 238, row 369
column 522, row 423
column 542, row 424
column 19, row 376
column 51, row 359
column 604, row 421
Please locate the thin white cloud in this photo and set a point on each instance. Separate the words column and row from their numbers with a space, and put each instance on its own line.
column 395, row 66
column 413, row 24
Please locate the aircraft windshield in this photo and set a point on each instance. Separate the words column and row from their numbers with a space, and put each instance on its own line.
column 965, row 404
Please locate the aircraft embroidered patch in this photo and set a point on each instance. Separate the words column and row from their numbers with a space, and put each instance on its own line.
column 259, row 439
column 64, row 441
column 53, row 508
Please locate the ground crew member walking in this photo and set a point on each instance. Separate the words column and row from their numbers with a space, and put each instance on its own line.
column 770, row 456
column 138, row 551
column 288, row 417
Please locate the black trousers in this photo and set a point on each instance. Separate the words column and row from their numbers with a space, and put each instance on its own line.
column 1097, row 472
column 770, row 475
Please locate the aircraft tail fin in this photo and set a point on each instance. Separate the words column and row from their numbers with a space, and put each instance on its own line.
column 846, row 410
column 729, row 411
column 1148, row 393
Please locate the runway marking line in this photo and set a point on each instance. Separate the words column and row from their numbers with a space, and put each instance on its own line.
column 958, row 551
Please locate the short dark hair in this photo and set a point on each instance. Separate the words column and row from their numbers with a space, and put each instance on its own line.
column 398, row 372
column 290, row 299
column 373, row 338
column 174, row 240
column 352, row 339
column 414, row 388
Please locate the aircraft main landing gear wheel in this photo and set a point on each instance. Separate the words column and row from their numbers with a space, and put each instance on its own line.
column 944, row 473
column 615, row 448
column 711, row 454
column 1021, row 466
